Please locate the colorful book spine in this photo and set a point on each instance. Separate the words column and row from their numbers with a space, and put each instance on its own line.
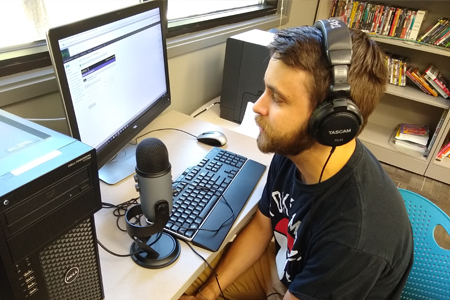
column 443, row 37
column 445, row 151
column 419, row 78
column 389, row 21
column 413, row 19
column 431, row 30
column 406, row 23
column 394, row 21
column 400, row 23
column 383, row 19
column 418, row 21
column 435, row 74
column 418, row 84
column 351, row 21
column 333, row 8
column 437, row 33
column 361, row 9
column 435, row 86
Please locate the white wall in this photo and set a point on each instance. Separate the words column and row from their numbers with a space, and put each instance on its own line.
column 196, row 77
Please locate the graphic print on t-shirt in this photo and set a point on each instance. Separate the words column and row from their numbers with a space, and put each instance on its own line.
column 285, row 233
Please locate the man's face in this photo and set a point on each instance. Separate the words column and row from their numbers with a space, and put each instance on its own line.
column 283, row 111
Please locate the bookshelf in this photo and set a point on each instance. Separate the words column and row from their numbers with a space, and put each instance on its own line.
column 409, row 104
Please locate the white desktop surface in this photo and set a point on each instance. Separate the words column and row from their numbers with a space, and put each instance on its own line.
column 124, row 279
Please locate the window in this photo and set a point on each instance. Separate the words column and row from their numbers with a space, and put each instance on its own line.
column 28, row 20
column 193, row 25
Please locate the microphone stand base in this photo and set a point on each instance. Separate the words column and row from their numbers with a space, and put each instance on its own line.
column 167, row 247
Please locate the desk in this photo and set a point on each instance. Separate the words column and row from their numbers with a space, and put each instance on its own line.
column 124, row 279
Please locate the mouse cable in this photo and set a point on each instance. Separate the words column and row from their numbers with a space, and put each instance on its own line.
column 202, row 111
column 161, row 129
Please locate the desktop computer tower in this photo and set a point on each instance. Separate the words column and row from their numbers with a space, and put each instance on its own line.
column 49, row 192
column 246, row 60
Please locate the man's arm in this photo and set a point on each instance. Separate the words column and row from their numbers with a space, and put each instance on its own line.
column 246, row 249
column 289, row 296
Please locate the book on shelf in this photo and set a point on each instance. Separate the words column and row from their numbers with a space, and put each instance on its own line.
column 381, row 18
column 397, row 66
column 419, row 77
column 436, row 75
column 407, row 146
column 437, row 34
column 435, row 85
column 416, row 133
column 406, row 23
column 444, row 152
column 445, row 36
column 416, row 26
column 416, row 82
column 436, row 132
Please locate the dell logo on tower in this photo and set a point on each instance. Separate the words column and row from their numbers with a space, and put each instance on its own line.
column 71, row 275
column 334, row 23
column 340, row 131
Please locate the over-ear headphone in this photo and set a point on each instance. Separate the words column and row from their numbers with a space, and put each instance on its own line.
column 337, row 120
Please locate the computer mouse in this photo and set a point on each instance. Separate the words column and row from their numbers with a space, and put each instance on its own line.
column 212, row 138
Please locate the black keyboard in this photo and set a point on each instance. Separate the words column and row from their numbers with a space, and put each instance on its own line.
column 208, row 197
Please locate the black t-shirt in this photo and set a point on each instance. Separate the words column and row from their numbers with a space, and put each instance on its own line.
column 357, row 243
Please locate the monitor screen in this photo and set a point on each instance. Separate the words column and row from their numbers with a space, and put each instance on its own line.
column 113, row 77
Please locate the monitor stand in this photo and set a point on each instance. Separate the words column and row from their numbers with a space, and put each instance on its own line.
column 120, row 167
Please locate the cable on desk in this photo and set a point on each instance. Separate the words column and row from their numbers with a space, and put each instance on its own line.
column 205, row 109
column 129, row 254
column 120, row 209
column 162, row 129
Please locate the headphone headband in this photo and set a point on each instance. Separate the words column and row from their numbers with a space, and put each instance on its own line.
column 338, row 48
column 336, row 121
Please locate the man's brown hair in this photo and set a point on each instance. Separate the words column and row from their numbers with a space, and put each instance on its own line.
column 302, row 48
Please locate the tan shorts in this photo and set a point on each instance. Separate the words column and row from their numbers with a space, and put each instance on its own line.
column 257, row 283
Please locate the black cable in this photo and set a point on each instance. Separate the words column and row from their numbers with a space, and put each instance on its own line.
column 314, row 203
column 162, row 129
column 115, row 254
column 120, row 209
column 119, row 212
column 205, row 109
column 326, row 162
column 210, row 267
column 129, row 254
column 272, row 294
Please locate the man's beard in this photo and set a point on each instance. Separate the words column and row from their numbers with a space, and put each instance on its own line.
column 287, row 144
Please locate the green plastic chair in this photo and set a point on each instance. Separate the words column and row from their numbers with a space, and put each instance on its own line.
column 430, row 275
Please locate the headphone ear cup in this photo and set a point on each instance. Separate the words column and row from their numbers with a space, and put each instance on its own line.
column 335, row 123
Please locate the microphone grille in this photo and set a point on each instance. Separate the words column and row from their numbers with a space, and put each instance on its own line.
column 152, row 156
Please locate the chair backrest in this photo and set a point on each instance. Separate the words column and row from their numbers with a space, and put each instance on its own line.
column 430, row 274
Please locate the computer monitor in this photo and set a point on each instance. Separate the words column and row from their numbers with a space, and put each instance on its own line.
column 113, row 77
